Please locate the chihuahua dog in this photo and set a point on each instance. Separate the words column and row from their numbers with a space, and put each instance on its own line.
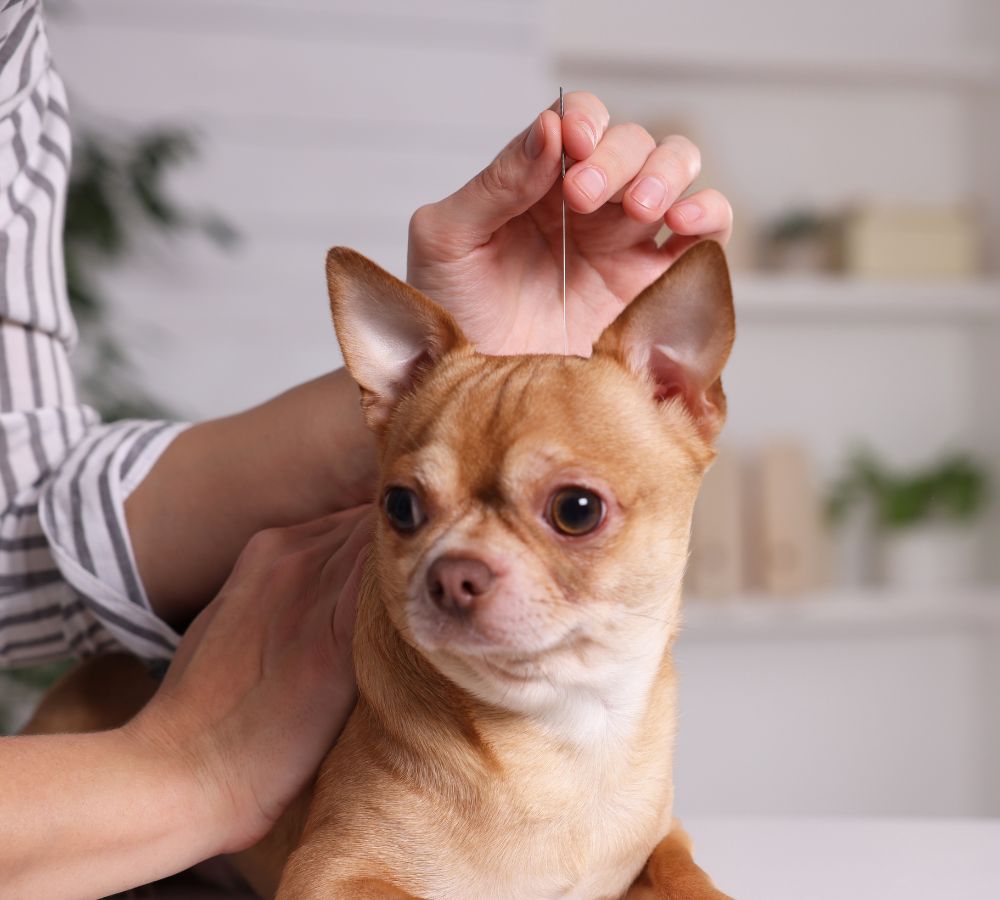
column 517, row 699
column 516, row 711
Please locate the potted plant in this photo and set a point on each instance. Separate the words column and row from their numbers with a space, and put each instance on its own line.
column 925, row 518
column 802, row 242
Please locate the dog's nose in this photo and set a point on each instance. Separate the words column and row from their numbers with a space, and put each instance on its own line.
column 455, row 583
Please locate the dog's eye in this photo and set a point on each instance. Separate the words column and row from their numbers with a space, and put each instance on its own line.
column 575, row 511
column 403, row 510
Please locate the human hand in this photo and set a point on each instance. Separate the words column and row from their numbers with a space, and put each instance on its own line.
column 263, row 681
column 491, row 253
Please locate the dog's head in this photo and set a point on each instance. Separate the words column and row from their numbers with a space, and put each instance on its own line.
column 536, row 509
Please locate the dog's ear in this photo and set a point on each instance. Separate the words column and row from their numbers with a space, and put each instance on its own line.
column 389, row 332
column 678, row 333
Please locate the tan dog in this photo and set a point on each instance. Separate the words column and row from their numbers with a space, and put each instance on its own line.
column 514, row 729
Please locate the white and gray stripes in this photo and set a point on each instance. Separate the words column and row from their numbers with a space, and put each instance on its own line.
column 68, row 579
column 33, row 175
column 82, row 515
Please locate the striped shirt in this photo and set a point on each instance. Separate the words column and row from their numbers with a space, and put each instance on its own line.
column 68, row 579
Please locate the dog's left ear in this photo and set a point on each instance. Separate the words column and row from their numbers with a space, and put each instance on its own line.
column 678, row 332
column 389, row 332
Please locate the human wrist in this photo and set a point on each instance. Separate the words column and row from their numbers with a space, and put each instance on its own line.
column 190, row 798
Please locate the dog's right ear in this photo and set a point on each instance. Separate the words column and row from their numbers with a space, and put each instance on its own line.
column 388, row 331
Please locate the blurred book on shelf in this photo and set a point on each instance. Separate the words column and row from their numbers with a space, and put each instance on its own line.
column 758, row 526
column 789, row 521
column 717, row 566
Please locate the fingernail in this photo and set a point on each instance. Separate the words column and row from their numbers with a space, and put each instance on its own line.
column 650, row 192
column 591, row 182
column 689, row 212
column 589, row 132
column 535, row 140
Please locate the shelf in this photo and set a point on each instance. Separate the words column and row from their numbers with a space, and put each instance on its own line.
column 783, row 298
column 974, row 69
column 843, row 613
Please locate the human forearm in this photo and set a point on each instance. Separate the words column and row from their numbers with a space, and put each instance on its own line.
column 304, row 453
column 89, row 815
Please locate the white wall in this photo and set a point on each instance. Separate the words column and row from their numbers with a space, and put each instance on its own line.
column 859, row 721
column 805, row 28
column 777, row 94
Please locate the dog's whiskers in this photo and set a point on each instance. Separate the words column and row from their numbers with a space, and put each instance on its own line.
column 661, row 620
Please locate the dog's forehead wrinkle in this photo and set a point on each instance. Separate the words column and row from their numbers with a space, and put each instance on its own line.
column 510, row 378
column 453, row 409
column 416, row 420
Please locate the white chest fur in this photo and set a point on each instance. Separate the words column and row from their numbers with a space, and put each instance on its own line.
column 591, row 795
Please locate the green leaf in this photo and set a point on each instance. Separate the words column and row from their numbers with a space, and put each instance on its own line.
column 954, row 489
column 119, row 197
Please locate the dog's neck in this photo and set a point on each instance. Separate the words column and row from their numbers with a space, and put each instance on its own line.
column 449, row 740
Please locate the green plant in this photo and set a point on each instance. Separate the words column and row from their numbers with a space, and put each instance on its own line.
column 117, row 200
column 798, row 225
column 955, row 489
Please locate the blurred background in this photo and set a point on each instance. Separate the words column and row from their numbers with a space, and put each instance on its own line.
column 842, row 647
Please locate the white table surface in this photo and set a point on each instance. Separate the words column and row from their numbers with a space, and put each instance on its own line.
column 788, row 858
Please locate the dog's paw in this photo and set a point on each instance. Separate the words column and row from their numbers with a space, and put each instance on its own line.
column 672, row 874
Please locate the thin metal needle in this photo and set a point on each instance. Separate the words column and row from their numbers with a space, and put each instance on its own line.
column 563, row 197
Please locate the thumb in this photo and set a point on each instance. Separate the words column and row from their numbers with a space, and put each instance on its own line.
column 522, row 173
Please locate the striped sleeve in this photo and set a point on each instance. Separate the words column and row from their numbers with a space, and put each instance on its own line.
column 34, row 163
column 81, row 512
column 41, row 616
column 68, row 579
column 68, row 583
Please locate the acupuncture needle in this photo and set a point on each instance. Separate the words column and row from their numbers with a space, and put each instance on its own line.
column 563, row 196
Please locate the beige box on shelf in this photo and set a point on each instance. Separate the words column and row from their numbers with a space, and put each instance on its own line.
column 897, row 242
column 789, row 532
column 716, row 566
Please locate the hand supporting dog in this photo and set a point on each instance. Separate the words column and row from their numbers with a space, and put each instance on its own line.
column 258, row 690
